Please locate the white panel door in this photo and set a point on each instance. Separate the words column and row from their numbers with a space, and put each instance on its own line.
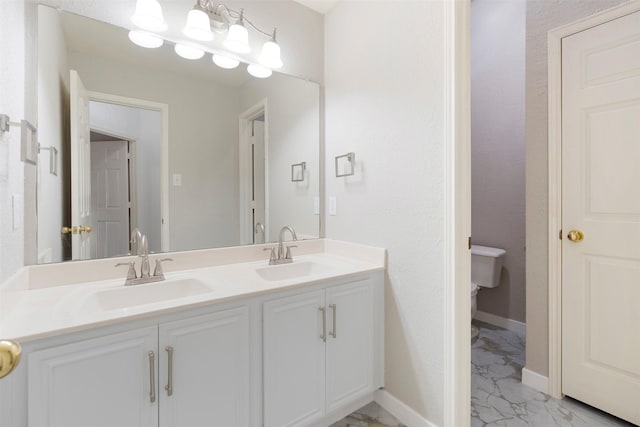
column 110, row 198
column 349, row 343
column 294, row 360
column 208, row 381
column 601, row 198
column 80, row 168
column 103, row 382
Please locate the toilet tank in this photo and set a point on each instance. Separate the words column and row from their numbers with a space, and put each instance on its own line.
column 486, row 265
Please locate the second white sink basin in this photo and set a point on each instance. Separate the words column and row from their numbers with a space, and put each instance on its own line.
column 294, row 270
column 130, row 296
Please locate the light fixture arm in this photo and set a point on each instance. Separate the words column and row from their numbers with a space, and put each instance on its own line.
column 229, row 15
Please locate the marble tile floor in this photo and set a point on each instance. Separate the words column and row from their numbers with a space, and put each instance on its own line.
column 371, row 415
column 498, row 397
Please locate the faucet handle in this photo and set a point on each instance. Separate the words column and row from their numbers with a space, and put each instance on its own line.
column 157, row 271
column 131, row 273
column 272, row 254
column 288, row 254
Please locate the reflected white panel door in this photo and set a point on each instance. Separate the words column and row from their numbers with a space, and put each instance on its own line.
column 209, row 375
column 110, row 198
column 103, row 382
column 80, row 169
column 601, row 198
column 258, row 178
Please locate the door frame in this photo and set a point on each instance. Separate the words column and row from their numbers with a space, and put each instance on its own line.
column 554, row 38
column 244, row 168
column 163, row 109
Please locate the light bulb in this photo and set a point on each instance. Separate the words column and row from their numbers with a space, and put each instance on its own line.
column 238, row 38
column 148, row 16
column 188, row 52
column 224, row 61
column 259, row 71
column 142, row 39
column 198, row 26
column 270, row 56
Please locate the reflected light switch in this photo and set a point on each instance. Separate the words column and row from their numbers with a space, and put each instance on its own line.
column 316, row 205
column 177, row 180
column 332, row 206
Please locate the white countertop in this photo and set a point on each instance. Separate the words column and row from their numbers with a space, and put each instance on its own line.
column 38, row 303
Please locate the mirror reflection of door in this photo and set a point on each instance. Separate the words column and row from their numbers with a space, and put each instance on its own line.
column 258, row 182
column 111, row 200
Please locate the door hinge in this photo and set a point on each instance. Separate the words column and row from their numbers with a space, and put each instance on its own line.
column 560, row 234
column 252, row 205
column 469, row 242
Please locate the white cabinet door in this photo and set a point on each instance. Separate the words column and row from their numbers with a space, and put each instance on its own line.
column 350, row 350
column 103, row 382
column 209, row 374
column 294, row 362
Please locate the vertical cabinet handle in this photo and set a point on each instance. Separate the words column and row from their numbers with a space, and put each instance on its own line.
column 333, row 311
column 169, row 386
column 152, row 377
column 323, row 337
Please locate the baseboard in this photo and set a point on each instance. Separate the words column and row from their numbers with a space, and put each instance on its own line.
column 501, row 322
column 401, row 411
column 535, row 380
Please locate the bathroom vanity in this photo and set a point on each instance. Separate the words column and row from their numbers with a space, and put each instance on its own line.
column 225, row 340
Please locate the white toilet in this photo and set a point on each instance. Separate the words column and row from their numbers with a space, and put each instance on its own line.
column 486, row 267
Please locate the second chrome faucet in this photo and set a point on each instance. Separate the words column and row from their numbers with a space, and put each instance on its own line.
column 282, row 257
column 140, row 244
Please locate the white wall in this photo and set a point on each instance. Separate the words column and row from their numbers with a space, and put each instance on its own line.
column 144, row 127
column 498, row 146
column 203, row 134
column 294, row 116
column 542, row 17
column 53, row 130
column 385, row 94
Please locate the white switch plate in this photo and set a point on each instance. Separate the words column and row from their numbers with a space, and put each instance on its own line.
column 177, row 180
column 316, row 205
column 332, row 206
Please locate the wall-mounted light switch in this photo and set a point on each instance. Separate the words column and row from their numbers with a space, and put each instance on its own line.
column 177, row 180
column 316, row 205
column 17, row 207
column 333, row 206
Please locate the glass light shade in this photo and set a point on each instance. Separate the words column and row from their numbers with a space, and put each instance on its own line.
column 188, row 52
column 237, row 39
column 142, row 39
column 225, row 61
column 259, row 71
column 198, row 26
column 148, row 16
column 270, row 56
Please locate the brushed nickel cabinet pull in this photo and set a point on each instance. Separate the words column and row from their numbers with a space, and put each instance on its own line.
column 169, row 386
column 333, row 311
column 152, row 377
column 323, row 337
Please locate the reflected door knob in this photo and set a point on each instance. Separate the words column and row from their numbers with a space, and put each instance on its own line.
column 10, row 352
column 575, row 236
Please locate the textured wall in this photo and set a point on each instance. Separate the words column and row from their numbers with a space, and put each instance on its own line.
column 384, row 101
column 542, row 16
column 498, row 146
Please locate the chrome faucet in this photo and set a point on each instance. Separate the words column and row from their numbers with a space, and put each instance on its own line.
column 142, row 250
column 260, row 229
column 282, row 257
column 136, row 239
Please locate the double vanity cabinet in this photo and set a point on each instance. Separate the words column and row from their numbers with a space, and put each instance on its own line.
column 300, row 354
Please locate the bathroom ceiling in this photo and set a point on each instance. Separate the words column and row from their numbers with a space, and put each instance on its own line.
column 322, row 6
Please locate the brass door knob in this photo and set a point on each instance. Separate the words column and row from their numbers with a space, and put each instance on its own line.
column 575, row 236
column 76, row 229
column 84, row 229
column 10, row 352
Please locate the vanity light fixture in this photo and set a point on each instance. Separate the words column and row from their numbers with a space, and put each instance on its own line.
column 198, row 26
column 259, row 71
column 188, row 52
column 148, row 16
column 147, row 40
column 224, row 61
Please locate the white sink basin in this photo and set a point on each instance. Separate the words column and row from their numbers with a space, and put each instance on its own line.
column 295, row 270
column 130, row 296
